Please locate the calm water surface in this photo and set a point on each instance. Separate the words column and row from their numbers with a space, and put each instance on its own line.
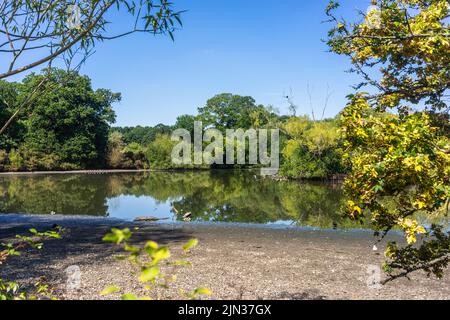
column 215, row 196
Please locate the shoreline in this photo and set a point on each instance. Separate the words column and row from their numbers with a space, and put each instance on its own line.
column 277, row 178
column 81, row 220
column 255, row 264
column 106, row 171
column 100, row 171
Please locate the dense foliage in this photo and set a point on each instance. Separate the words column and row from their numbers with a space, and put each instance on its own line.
column 228, row 111
column 143, row 135
column 66, row 127
column 310, row 149
column 397, row 138
column 313, row 149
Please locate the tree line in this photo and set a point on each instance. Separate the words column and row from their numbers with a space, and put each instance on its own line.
column 310, row 149
column 69, row 126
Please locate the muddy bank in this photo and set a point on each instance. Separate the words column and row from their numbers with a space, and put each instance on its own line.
column 234, row 262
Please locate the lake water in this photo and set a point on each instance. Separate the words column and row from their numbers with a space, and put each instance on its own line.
column 211, row 196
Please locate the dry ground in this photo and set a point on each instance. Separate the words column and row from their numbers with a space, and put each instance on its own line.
column 235, row 262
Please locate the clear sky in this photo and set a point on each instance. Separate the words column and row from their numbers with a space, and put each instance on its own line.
column 260, row 48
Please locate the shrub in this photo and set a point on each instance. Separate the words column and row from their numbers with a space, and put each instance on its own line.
column 3, row 160
column 10, row 290
column 16, row 161
column 148, row 260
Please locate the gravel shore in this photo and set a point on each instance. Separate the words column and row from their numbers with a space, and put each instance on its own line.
column 235, row 262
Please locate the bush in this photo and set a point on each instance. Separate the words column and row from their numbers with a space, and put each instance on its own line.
column 16, row 161
column 3, row 160
column 159, row 153
column 313, row 149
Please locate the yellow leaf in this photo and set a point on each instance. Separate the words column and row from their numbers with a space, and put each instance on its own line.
column 190, row 244
column 149, row 274
column 109, row 290
column 203, row 291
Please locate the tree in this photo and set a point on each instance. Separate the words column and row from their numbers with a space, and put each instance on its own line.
column 228, row 111
column 8, row 97
column 186, row 122
column 142, row 135
column 265, row 117
column 409, row 42
column 70, row 123
column 115, row 156
column 396, row 144
column 135, row 153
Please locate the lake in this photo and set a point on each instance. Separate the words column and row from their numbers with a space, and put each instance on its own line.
column 211, row 196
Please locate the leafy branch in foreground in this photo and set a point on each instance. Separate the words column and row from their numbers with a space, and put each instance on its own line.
column 399, row 169
column 148, row 260
column 10, row 290
column 397, row 137
column 39, row 31
column 408, row 41
column 432, row 256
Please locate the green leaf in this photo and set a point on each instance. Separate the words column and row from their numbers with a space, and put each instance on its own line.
column 160, row 254
column 132, row 249
column 120, row 257
column 109, row 290
column 203, row 291
column 150, row 247
column 117, row 236
column 149, row 274
column 129, row 296
column 181, row 263
column 190, row 245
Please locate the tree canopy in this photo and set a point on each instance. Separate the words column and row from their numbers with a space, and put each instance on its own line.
column 228, row 111
column 66, row 127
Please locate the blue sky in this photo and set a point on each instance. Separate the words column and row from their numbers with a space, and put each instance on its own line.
column 259, row 48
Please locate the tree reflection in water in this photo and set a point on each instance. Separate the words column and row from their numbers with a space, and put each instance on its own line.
column 214, row 196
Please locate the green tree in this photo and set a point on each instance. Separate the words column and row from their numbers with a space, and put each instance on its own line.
column 265, row 117
column 135, row 154
column 115, row 157
column 9, row 93
column 70, row 121
column 400, row 160
column 142, row 135
column 228, row 111
column 313, row 149
column 186, row 122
